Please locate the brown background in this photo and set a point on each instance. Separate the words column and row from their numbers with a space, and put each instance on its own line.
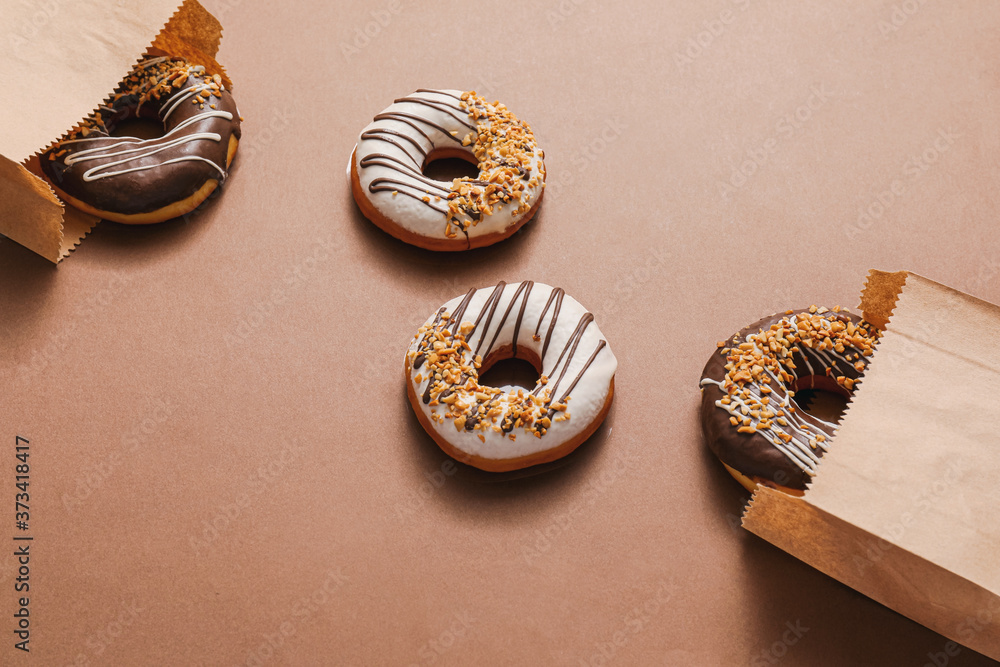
column 242, row 366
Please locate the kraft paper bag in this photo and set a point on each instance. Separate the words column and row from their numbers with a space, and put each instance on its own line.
column 64, row 59
column 905, row 507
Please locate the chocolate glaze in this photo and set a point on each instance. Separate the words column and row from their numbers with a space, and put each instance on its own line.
column 152, row 183
column 754, row 454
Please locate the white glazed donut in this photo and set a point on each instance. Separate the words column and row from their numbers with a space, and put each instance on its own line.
column 507, row 428
column 388, row 183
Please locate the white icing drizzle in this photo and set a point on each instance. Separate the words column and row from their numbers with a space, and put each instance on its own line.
column 144, row 149
column 149, row 62
column 139, row 149
column 181, row 96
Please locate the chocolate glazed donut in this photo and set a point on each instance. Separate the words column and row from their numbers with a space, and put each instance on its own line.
column 137, row 181
column 749, row 413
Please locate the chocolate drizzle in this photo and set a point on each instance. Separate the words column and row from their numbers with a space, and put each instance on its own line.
column 460, row 311
column 572, row 386
column 491, row 303
column 379, row 135
column 440, row 92
column 558, row 295
column 414, row 172
column 409, row 119
column 394, row 185
column 449, row 109
column 523, row 287
column 489, row 309
column 571, row 344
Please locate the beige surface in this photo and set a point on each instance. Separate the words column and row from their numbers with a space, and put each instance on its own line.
column 246, row 360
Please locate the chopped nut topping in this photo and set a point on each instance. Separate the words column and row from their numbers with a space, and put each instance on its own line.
column 452, row 373
column 504, row 147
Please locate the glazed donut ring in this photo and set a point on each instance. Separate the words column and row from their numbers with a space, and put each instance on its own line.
column 389, row 186
column 142, row 181
column 507, row 428
column 749, row 413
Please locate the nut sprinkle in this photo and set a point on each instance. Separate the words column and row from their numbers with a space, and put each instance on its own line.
column 504, row 148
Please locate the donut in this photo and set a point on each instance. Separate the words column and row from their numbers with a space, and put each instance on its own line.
column 143, row 181
column 499, row 429
column 750, row 416
column 390, row 188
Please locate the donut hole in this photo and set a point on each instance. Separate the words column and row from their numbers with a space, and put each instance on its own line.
column 446, row 165
column 140, row 128
column 821, row 397
column 506, row 371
